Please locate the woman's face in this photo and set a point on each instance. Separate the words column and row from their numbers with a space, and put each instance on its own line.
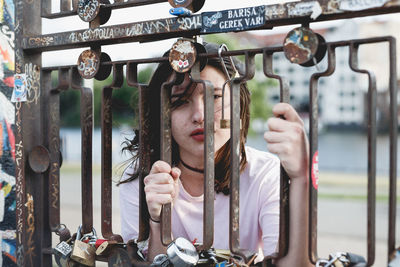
column 187, row 116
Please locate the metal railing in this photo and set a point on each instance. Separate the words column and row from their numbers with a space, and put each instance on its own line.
column 38, row 121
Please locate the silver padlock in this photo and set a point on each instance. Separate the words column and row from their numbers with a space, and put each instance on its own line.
column 182, row 253
column 82, row 252
column 63, row 249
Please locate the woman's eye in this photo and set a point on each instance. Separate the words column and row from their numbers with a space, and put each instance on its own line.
column 217, row 96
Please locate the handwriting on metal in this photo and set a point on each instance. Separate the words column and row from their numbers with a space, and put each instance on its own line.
column 136, row 29
column 31, row 228
column 233, row 19
column 355, row 5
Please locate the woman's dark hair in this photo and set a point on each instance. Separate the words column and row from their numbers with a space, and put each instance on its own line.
column 152, row 123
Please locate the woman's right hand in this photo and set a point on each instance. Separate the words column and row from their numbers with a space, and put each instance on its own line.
column 161, row 187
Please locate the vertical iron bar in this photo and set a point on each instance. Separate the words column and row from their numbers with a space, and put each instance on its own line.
column 106, row 158
column 393, row 146
column 166, row 152
column 144, row 148
column 313, row 164
column 209, row 191
column 284, row 178
column 65, row 5
column 234, row 218
column 106, row 152
column 235, row 161
column 86, row 152
column 353, row 60
column 54, row 143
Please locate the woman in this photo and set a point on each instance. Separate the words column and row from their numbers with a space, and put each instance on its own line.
column 182, row 182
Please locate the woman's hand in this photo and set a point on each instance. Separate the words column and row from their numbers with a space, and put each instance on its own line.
column 161, row 187
column 287, row 138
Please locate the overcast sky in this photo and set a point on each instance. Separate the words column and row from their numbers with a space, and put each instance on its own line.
column 149, row 12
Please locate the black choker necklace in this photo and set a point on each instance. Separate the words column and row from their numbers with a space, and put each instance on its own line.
column 191, row 168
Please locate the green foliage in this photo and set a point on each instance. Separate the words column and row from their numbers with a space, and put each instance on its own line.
column 124, row 103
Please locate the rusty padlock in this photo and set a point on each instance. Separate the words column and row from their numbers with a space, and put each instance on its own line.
column 82, row 252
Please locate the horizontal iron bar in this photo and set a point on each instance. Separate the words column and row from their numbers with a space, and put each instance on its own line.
column 233, row 52
column 153, row 30
column 116, row 5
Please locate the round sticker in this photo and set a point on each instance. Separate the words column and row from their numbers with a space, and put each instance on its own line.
column 314, row 170
column 300, row 45
column 88, row 63
column 182, row 55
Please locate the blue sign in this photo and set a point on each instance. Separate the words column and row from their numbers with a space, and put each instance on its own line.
column 233, row 19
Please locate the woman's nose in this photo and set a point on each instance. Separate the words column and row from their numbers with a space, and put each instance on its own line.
column 198, row 110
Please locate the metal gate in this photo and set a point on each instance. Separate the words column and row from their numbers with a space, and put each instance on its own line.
column 38, row 157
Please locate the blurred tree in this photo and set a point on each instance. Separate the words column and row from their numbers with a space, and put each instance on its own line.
column 124, row 102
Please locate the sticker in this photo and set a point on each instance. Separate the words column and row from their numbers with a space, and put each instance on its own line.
column 356, row 5
column 302, row 9
column 314, row 170
column 20, row 88
column 182, row 55
column 233, row 19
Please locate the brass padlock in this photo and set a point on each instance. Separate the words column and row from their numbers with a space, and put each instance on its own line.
column 82, row 252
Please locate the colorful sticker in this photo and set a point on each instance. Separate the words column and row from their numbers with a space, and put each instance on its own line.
column 314, row 170
column 20, row 88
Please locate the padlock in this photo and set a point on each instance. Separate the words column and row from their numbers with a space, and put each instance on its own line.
column 62, row 253
column 181, row 252
column 63, row 249
column 104, row 248
column 82, row 252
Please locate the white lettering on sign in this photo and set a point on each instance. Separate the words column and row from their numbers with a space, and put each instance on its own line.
column 355, row 5
column 242, row 12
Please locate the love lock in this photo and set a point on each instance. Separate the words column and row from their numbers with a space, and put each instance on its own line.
column 89, row 65
column 88, row 10
column 82, row 252
column 183, row 55
column 182, row 252
column 304, row 47
column 192, row 5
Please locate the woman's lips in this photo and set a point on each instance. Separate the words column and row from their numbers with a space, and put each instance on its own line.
column 198, row 135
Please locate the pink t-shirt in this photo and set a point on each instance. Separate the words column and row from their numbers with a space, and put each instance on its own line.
column 259, row 208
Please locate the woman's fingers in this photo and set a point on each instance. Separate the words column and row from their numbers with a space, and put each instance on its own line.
column 161, row 187
column 160, row 167
column 286, row 111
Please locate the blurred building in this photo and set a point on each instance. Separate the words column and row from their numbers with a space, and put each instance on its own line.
column 342, row 95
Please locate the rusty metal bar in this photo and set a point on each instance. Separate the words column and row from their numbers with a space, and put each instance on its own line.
column 209, row 188
column 144, row 148
column 54, row 143
column 116, row 5
column 393, row 146
column 275, row 15
column 353, row 62
column 234, row 240
column 313, row 166
column 106, row 151
column 284, row 178
column 166, row 152
column 86, row 153
column 65, row 5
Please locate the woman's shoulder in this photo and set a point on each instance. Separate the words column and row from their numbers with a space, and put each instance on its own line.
column 128, row 173
column 256, row 157
column 262, row 165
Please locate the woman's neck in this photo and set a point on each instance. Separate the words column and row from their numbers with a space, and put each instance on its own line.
column 192, row 181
